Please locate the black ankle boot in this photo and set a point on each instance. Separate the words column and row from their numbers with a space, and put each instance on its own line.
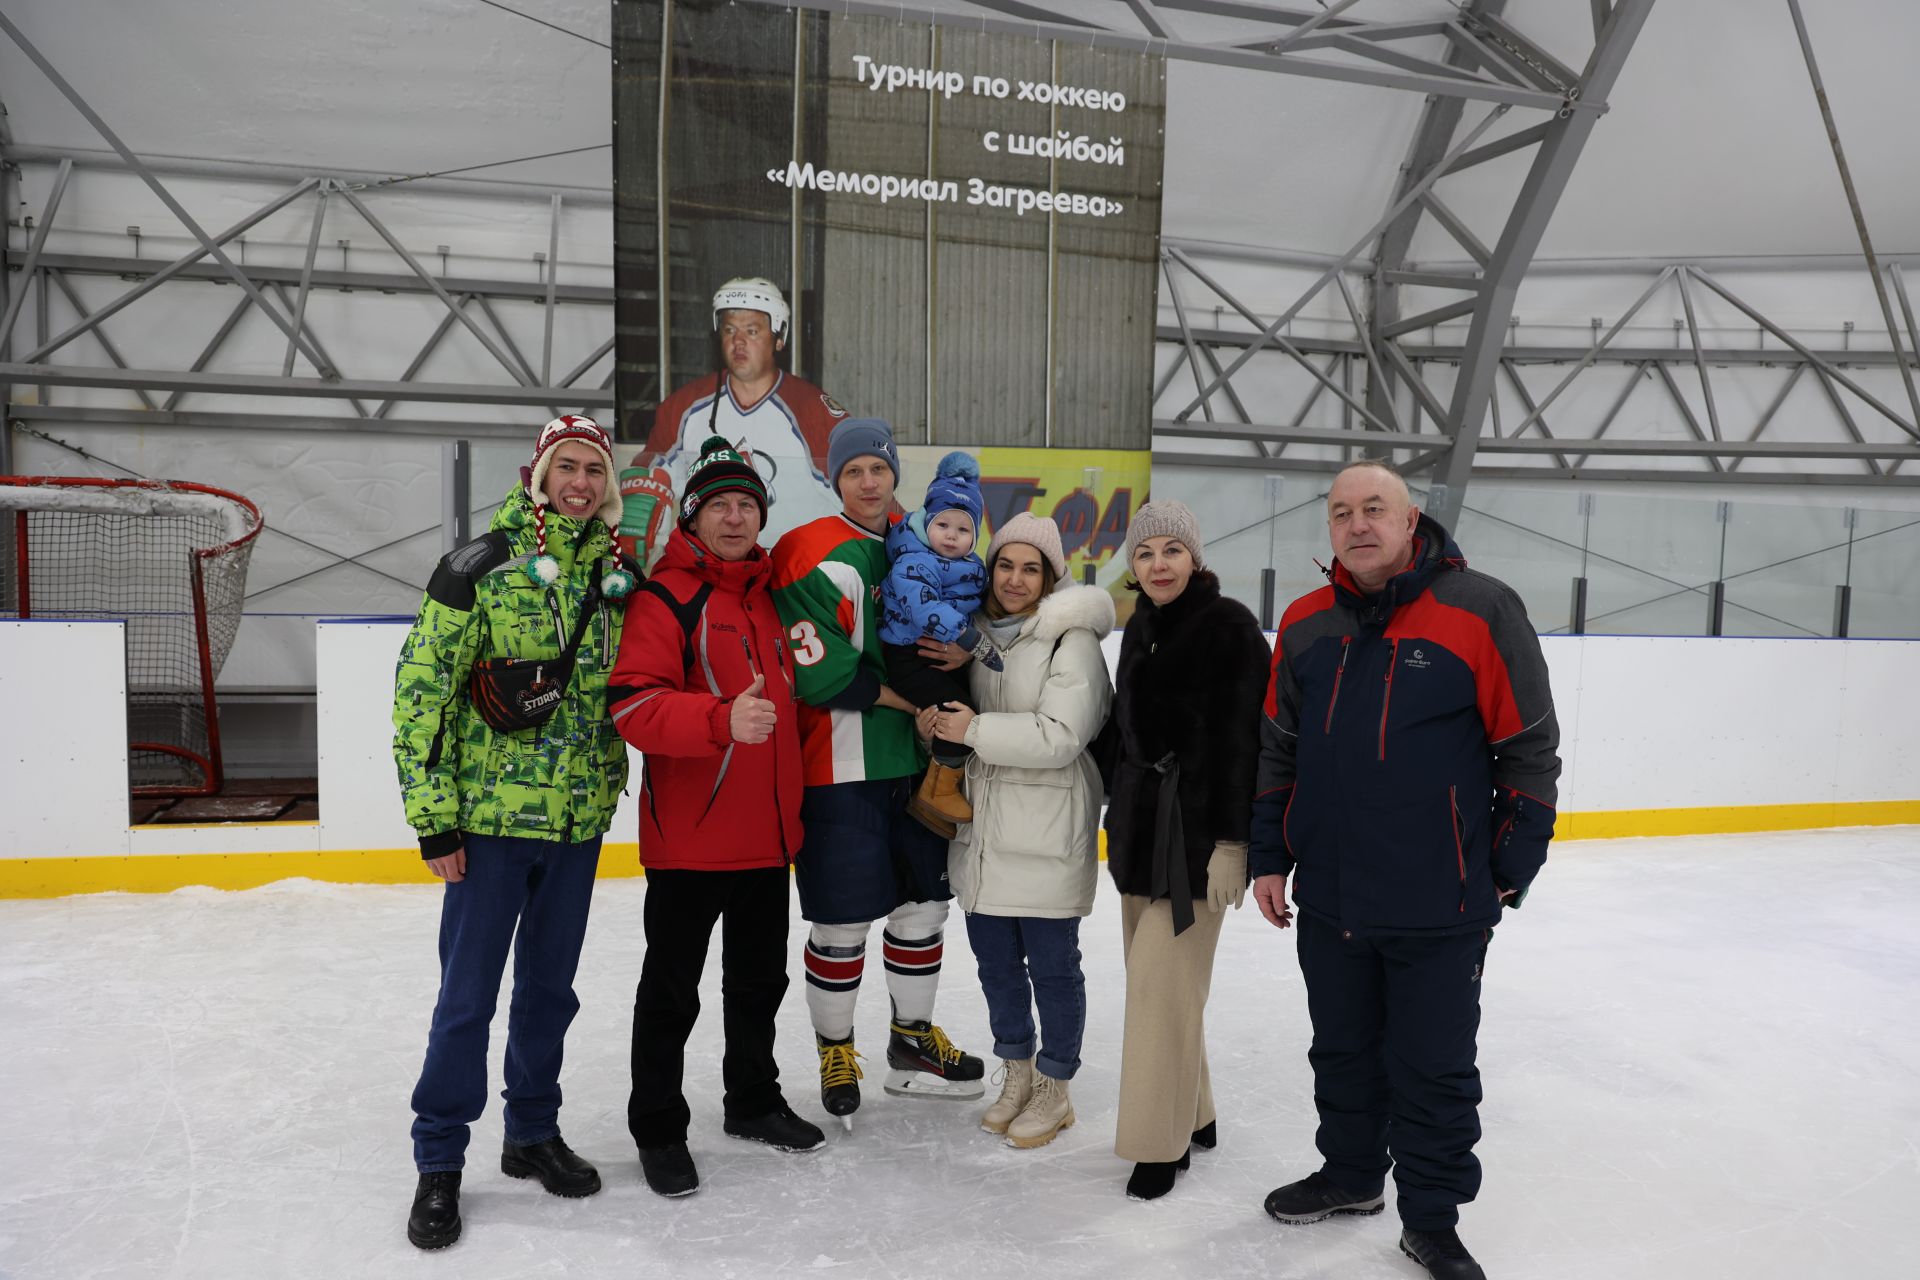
column 560, row 1171
column 435, row 1220
column 1154, row 1178
column 669, row 1170
column 1207, row 1136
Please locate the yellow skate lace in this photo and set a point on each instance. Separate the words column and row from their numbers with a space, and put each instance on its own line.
column 838, row 1065
column 936, row 1040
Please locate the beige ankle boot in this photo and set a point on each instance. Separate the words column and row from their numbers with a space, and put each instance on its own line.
column 1048, row 1111
column 1016, row 1086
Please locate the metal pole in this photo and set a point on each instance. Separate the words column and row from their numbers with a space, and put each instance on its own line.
column 306, row 277
column 1842, row 610
column 19, row 300
column 1577, row 614
column 553, row 278
column 1267, row 580
column 1853, row 203
column 456, row 487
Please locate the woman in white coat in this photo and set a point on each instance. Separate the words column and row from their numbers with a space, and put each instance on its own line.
column 1024, row 869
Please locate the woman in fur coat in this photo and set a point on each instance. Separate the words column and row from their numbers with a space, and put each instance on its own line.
column 1184, row 741
column 1025, row 867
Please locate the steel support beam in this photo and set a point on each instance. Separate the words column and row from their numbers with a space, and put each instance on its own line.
column 1561, row 475
column 18, row 300
column 311, row 388
column 1539, row 194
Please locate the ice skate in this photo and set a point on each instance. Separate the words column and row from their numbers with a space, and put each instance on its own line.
column 840, row 1077
column 925, row 1064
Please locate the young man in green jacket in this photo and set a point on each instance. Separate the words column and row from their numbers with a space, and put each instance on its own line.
column 511, row 818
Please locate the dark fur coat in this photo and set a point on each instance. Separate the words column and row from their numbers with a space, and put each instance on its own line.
column 1192, row 680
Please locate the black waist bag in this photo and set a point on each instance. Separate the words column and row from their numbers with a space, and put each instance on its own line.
column 521, row 693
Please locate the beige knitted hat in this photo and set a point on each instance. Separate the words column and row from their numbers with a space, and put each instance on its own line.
column 1166, row 519
column 1038, row 532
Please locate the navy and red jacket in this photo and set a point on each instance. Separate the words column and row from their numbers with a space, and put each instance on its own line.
column 697, row 633
column 1409, row 754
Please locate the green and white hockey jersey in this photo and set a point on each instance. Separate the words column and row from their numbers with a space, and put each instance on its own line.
column 826, row 583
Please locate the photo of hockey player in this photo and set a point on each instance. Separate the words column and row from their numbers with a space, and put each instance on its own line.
column 779, row 420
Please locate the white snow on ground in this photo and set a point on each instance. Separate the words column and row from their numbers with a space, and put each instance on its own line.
column 1701, row 1057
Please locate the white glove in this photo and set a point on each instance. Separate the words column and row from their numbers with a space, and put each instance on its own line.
column 1227, row 875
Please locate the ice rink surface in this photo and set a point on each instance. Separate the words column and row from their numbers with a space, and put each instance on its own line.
column 1701, row 1059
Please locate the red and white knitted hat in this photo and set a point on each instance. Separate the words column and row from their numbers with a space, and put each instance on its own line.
column 574, row 426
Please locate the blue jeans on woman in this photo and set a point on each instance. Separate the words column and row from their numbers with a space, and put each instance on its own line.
column 1027, row 961
column 539, row 890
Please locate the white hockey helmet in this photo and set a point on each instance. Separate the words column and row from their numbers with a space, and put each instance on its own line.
column 752, row 293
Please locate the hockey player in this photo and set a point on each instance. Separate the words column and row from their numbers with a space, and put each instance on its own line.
column 782, row 421
column 863, row 859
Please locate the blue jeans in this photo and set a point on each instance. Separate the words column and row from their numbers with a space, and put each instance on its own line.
column 1026, row 961
column 543, row 887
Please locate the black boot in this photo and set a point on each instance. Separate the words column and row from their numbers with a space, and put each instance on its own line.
column 1207, row 1136
column 1154, row 1178
column 435, row 1220
column 669, row 1170
column 778, row 1128
column 560, row 1171
column 1441, row 1253
column 1314, row 1197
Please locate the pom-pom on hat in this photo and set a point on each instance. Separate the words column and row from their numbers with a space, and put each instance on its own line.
column 719, row 468
column 955, row 487
column 1038, row 532
column 1166, row 519
column 857, row 438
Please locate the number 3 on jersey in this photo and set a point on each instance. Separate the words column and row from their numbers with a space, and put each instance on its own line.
column 807, row 648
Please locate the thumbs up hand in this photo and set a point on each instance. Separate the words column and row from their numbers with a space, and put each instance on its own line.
column 753, row 716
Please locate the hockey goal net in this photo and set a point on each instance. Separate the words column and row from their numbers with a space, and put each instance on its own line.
column 170, row 559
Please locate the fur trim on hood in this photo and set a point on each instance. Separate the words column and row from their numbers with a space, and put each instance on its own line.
column 1088, row 608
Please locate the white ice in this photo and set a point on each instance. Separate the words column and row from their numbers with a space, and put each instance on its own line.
column 1701, row 1059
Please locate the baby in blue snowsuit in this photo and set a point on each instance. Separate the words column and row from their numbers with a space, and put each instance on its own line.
column 933, row 585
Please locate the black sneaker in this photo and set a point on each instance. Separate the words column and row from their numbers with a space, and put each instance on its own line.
column 1313, row 1198
column 1441, row 1253
column 669, row 1170
column 779, row 1129
column 435, row 1220
column 560, row 1171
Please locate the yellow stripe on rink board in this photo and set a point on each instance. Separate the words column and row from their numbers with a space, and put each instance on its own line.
column 1734, row 819
column 163, row 873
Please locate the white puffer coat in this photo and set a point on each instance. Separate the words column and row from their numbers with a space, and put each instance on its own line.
column 1032, row 848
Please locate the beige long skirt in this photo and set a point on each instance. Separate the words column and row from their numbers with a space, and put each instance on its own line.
column 1165, row 1093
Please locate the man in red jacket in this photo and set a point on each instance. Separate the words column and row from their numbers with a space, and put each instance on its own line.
column 704, row 687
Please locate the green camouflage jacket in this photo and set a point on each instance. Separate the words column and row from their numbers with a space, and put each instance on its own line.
column 559, row 781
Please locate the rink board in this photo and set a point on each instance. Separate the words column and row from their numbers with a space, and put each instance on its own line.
column 1660, row 736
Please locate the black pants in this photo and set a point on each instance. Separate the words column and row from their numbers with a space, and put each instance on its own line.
column 681, row 907
column 925, row 685
column 1394, row 1021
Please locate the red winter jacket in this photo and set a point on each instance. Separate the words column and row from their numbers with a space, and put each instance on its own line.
column 708, row 803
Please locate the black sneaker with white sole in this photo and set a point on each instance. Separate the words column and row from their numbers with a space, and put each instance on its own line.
column 779, row 1129
column 1313, row 1198
column 1441, row 1253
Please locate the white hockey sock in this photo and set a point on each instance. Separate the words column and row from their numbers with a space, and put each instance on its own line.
column 912, row 944
column 835, row 956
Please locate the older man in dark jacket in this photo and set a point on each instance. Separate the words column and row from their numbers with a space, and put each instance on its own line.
column 1407, row 782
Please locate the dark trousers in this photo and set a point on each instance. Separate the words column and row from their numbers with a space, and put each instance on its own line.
column 925, row 685
column 681, row 908
column 531, row 895
column 1394, row 1079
